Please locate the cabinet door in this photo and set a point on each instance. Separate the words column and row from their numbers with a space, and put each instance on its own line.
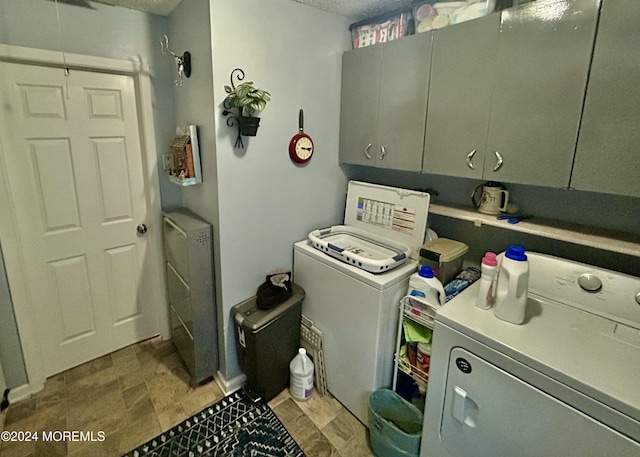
column 544, row 52
column 607, row 158
column 359, row 107
column 462, row 74
column 404, row 87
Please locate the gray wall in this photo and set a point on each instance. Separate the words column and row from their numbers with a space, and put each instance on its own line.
column 12, row 362
column 194, row 104
column 103, row 31
column 260, row 202
column 578, row 207
column 587, row 208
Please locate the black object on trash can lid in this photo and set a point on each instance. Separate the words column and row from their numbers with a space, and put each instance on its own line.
column 275, row 290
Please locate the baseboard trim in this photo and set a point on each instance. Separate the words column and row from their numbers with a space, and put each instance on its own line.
column 20, row 393
column 229, row 386
column 11, row 396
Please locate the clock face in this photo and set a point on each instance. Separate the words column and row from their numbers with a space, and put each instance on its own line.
column 304, row 148
column 301, row 148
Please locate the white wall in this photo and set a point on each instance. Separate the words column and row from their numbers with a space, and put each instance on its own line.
column 265, row 202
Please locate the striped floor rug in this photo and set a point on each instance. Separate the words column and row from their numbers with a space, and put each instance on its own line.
column 234, row 426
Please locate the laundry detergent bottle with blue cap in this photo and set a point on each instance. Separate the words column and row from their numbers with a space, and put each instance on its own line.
column 424, row 285
column 512, row 285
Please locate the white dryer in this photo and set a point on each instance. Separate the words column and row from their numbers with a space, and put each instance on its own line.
column 565, row 383
column 355, row 309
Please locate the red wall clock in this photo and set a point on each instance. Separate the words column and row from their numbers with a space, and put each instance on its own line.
column 301, row 145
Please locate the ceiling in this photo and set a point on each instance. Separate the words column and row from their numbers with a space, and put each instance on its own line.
column 354, row 9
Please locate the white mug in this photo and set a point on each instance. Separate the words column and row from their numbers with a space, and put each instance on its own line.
column 493, row 200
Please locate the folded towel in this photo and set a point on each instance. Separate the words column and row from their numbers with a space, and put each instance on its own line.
column 416, row 333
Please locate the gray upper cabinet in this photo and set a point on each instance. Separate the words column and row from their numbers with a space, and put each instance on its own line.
column 359, row 107
column 462, row 75
column 544, row 52
column 608, row 153
column 384, row 103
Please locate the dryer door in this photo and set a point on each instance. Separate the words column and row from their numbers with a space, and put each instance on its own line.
column 489, row 412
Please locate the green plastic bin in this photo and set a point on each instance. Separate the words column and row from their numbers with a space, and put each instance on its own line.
column 395, row 425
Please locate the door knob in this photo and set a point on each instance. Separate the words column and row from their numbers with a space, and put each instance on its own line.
column 142, row 229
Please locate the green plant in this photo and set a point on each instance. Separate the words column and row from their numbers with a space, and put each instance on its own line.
column 247, row 98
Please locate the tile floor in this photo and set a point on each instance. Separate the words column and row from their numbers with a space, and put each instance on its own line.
column 142, row 390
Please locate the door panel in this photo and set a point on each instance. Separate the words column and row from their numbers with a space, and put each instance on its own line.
column 460, row 90
column 404, row 86
column 52, row 169
column 75, row 318
column 122, row 268
column 544, row 51
column 74, row 163
column 113, row 177
column 359, row 107
column 607, row 158
column 489, row 412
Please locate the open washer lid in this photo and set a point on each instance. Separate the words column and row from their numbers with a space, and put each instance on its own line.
column 383, row 227
column 389, row 212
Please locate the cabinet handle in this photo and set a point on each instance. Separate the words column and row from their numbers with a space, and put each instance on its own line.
column 469, row 157
column 499, row 162
column 172, row 224
column 383, row 152
column 366, row 151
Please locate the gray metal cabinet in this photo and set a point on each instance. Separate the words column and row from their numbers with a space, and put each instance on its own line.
column 384, row 103
column 463, row 67
column 189, row 261
column 544, row 53
column 608, row 153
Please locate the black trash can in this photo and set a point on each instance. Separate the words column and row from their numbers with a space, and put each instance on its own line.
column 267, row 340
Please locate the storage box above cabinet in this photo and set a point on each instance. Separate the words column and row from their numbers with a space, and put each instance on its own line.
column 384, row 103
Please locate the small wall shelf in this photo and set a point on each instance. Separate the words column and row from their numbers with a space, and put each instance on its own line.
column 182, row 162
column 609, row 240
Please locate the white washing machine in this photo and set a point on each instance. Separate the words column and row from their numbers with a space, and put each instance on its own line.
column 355, row 309
column 565, row 383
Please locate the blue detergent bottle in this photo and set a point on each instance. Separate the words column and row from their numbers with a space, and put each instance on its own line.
column 424, row 285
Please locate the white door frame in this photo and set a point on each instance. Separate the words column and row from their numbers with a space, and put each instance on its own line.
column 14, row 264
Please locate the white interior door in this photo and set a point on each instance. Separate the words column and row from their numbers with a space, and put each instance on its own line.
column 75, row 172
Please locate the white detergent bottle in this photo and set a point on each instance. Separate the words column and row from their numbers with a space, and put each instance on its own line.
column 511, row 287
column 301, row 380
column 489, row 267
column 423, row 284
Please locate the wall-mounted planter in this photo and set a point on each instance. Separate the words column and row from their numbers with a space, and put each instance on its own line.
column 248, row 100
column 249, row 125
